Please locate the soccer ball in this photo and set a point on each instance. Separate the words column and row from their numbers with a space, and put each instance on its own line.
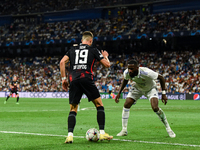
column 92, row 135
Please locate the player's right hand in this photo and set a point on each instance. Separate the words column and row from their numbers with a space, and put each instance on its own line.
column 11, row 87
column 117, row 98
column 104, row 53
column 164, row 99
column 65, row 85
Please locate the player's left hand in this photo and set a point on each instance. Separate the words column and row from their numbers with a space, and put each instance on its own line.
column 164, row 99
column 117, row 98
column 65, row 85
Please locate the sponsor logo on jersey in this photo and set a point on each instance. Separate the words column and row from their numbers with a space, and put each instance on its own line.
column 80, row 67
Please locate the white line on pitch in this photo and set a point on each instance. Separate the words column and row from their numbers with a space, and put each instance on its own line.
column 30, row 110
column 13, row 132
column 86, row 108
column 136, row 141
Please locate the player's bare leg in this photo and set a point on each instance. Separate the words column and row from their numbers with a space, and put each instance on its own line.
column 101, row 119
column 161, row 116
column 7, row 98
column 125, row 115
column 17, row 102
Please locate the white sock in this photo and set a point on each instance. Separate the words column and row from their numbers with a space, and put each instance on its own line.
column 70, row 134
column 102, row 131
column 162, row 117
column 125, row 116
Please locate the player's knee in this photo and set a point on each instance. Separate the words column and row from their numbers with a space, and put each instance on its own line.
column 154, row 104
column 128, row 103
column 155, row 108
column 98, row 102
column 73, row 107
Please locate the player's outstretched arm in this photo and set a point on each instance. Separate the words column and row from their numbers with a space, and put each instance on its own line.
column 124, row 83
column 105, row 62
column 63, row 61
column 18, row 86
column 162, row 83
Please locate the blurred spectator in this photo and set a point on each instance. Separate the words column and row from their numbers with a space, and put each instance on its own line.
column 34, row 6
column 126, row 22
column 182, row 73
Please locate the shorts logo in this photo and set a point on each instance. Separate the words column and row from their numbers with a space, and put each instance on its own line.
column 196, row 97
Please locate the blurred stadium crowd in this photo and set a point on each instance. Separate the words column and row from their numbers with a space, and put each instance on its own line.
column 8, row 7
column 180, row 69
column 127, row 22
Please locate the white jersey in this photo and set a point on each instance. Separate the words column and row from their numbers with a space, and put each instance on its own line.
column 144, row 81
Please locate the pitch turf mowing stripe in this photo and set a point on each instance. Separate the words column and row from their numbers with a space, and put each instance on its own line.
column 84, row 108
column 136, row 141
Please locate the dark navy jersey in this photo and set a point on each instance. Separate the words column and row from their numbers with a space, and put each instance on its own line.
column 14, row 83
column 82, row 58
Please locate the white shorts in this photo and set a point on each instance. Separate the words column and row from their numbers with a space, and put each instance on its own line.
column 136, row 94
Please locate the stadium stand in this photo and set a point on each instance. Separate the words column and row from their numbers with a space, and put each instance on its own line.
column 34, row 6
column 27, row 29
column 40, row 71
column 41, row 74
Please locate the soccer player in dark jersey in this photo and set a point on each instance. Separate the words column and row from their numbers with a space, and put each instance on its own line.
column 14, row 89
column 82, row 59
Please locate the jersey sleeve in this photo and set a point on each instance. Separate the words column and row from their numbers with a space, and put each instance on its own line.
column 68, row 52
column 126, row 75
column 152, row 74
column 98, row 54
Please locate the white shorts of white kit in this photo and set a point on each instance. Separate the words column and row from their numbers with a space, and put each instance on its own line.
column 136, row 94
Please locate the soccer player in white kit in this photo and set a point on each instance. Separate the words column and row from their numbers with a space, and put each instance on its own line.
column 144, row 85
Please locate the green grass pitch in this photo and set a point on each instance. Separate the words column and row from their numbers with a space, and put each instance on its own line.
column 41, row 124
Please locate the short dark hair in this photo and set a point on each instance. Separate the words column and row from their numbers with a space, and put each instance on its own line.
column 132, row 61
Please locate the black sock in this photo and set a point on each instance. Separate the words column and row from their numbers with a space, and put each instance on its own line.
column 71, row 121
column 101, row 117
column 7, row 97
column 17, row 99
